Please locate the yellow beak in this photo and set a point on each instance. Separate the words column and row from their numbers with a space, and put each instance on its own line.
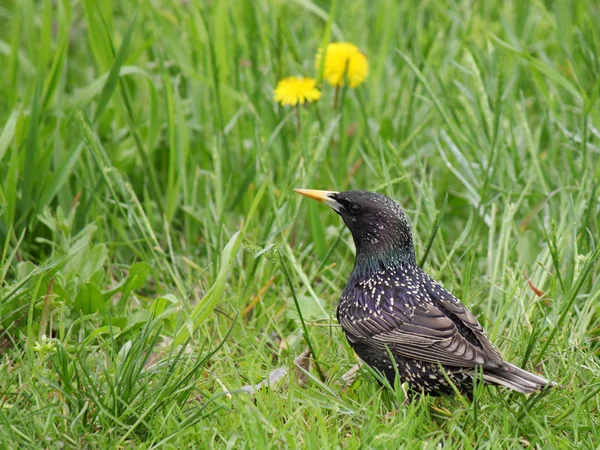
column 321, row 196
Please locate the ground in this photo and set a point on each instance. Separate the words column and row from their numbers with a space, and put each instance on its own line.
column 154, row 258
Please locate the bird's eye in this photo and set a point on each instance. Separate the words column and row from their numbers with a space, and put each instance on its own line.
column 354, row 208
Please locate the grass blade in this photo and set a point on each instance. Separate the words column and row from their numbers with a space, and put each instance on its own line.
column 113, row 77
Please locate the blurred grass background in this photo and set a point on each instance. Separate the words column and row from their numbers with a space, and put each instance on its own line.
column 146, row 211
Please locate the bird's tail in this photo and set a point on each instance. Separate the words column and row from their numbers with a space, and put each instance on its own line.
column 516, row 379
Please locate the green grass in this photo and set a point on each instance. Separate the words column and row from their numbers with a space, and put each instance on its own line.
column 148, row 227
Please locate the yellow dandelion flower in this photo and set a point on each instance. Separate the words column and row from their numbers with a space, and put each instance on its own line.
column 339, row 56
column 294, row 90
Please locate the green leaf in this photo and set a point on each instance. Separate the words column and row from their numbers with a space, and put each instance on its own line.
column 386, row 129
column 212, row 298
column 158, row 306
column 8, row 132
column 92, row 261
column 310, row 309
column 85, row 94
column 60, row 177
column 113, row 77
column 326, row 34
column 101, row 330
column 317, row 227
column 89, row 299
column 29, row 174
column 55, row 72
column 138, row 274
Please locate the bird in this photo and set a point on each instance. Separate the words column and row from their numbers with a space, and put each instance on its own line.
column 398, row 319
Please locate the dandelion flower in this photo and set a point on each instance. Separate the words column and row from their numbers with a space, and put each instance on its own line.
column 339, row 56
column 296, row 90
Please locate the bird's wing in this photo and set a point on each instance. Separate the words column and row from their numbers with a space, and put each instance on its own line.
column 432, row 327
column 459, row 313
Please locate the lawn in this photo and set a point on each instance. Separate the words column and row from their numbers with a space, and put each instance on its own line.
column 155, row 262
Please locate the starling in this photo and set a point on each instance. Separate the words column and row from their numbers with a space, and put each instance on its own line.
column 391, row 308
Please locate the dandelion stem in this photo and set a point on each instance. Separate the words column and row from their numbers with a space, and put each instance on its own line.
column 297, row 117
column 335, row 98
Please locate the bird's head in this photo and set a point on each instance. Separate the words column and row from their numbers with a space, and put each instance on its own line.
column 379, row 226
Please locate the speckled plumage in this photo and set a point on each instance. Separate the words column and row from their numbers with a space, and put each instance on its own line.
column 402, row 308
column 390, row 306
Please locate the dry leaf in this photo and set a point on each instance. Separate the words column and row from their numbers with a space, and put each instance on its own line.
column 272, row 380
column 350, row 376
column 533, row 288
column 302, row 363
